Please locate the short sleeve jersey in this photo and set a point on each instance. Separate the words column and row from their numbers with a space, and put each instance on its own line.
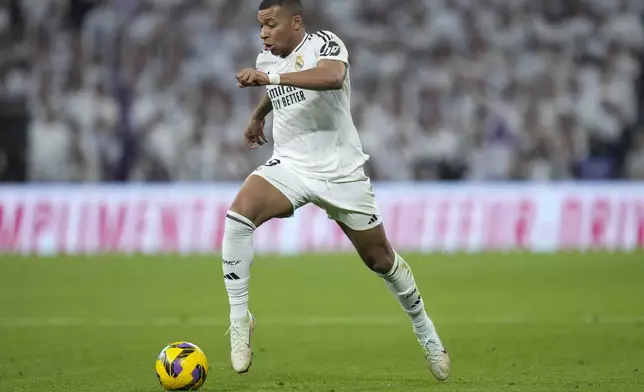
column 313, row 131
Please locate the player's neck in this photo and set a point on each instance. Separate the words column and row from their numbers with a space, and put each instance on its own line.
column 300, row 37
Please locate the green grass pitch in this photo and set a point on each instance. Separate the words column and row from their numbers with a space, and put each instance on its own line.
column 514, row 322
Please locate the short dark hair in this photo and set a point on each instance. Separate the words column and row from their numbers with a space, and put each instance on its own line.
column 295, row 6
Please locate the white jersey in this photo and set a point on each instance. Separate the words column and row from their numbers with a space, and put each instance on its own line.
column 313, row 131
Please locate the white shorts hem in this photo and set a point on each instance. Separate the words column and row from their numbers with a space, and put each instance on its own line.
column 281, row 188
column 360, row 228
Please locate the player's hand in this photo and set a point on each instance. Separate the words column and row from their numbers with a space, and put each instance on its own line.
column 254, row 135
column 250, row 77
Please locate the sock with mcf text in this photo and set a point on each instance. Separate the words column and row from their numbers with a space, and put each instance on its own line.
column 400, row 281
column 237, row 258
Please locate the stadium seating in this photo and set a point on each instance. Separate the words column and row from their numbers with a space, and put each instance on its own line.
column 464, row 89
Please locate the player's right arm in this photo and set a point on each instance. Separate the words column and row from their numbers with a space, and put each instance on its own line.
column 263, row 109
column 254, row 135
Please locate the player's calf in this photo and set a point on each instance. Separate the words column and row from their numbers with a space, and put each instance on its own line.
column 237, row 258
column 401, row 283
column 378, row 255
column 373, row 248
column 256, row 202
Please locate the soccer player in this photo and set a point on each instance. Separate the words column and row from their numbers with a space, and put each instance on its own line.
column 317, row 159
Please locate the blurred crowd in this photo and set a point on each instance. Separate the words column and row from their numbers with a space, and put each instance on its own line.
column 134, row 90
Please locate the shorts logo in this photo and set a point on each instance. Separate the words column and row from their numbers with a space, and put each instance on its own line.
column 273, row 162
column 330, row 48
column 299, row 63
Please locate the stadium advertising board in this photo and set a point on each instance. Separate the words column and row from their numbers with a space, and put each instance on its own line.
column 419, row 218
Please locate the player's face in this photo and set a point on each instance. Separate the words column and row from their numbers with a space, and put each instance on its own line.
column 279, row 30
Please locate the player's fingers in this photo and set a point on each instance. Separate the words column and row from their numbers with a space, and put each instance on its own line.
column 263, row 138
column 255, row 78
column 249, row 79
column 244, row 71
column 256, row 139
column 245, row 83
column 251, row 137
column 248, row 76
column 241, row 75
column 248, row 142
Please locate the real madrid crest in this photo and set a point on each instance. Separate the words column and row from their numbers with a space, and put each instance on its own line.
column 299, row 63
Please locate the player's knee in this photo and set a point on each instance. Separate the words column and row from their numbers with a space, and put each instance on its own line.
column 243, row 208
column 237, row 225
column 379, row 258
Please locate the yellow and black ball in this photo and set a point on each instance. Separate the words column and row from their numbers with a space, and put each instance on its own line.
column 181, row 366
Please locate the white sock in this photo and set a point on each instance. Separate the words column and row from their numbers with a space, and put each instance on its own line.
column 400, row 281
column 237, row 257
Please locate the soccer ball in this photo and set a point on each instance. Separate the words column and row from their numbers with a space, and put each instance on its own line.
column 181, row 366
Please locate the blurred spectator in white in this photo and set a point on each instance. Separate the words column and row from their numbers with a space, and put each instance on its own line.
column 52, row 152
column 442, row 89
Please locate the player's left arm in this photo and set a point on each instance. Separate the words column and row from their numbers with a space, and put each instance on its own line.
column 328, row 75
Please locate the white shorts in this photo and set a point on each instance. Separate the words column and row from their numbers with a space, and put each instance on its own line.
column 349, row 200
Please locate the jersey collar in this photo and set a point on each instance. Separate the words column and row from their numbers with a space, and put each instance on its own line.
column 306, row 36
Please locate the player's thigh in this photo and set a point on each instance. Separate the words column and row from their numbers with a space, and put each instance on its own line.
column 352, row 203
column 271, row 191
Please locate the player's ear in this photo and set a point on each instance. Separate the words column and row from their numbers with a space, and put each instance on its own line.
column 297, row 22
